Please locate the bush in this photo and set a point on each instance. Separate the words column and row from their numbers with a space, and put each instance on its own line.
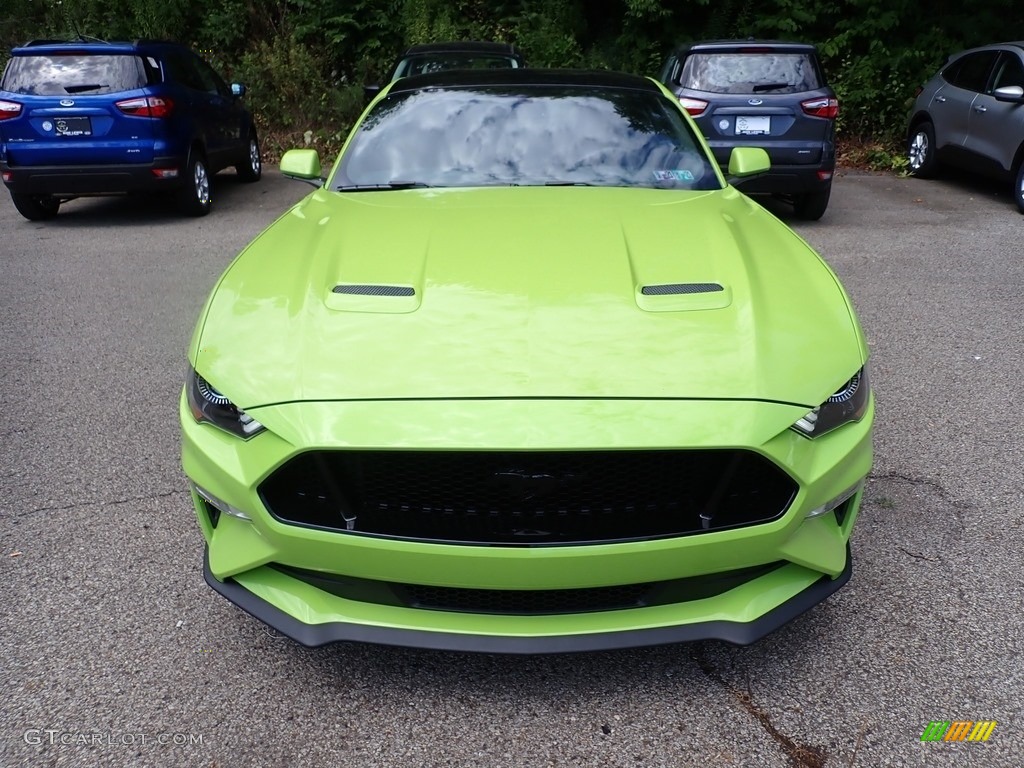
column 295, row 99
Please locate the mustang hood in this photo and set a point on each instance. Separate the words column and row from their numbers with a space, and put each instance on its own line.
column 516, row 293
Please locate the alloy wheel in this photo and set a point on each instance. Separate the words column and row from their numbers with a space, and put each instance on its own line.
column 255, row 164
column 201, row 182
column 919, row 149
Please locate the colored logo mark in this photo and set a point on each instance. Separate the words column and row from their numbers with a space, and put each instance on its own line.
column 958, row 730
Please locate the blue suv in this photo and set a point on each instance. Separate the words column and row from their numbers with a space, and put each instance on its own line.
column 93, row 118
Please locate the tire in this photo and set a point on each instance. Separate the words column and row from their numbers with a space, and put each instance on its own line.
column 811, row 207
column 251, row 168
column 34, row 207
column 1018, row 187
column 921, row 151
column 194, row 197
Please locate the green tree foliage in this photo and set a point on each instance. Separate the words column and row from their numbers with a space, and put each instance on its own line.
column 306, row 60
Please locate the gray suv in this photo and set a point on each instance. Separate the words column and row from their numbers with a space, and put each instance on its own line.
column 763, row 93
column 971, row 115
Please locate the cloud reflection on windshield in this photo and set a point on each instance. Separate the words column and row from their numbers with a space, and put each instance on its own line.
column 469, row 137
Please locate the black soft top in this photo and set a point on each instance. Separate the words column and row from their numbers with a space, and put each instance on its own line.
column 463, row 46
column 468, row 78
column 730, row 46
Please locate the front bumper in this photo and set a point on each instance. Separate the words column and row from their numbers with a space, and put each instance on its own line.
column 340, row 629
column 86, row 180
column 249, row 560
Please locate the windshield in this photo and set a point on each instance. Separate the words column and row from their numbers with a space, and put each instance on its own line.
column 526, row 135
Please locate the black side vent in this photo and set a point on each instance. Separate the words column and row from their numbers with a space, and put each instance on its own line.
column 376, row 290
column 676, row 289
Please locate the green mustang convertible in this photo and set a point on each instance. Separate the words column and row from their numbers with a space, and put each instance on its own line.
column 525, row 374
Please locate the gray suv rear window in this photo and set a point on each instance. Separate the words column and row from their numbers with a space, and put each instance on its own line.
column 750, row 73
column 63, row 75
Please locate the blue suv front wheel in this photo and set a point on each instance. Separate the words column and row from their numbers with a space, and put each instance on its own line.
column 251, row 167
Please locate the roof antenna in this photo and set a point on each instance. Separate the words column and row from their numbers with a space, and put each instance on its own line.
column 84, row 38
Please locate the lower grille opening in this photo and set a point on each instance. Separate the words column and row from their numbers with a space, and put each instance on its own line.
column 528, row 498
column 536, row 602
column 519, row 602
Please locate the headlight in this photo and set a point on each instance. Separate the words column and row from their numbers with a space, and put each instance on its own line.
column 209, row 405
column 847, row 404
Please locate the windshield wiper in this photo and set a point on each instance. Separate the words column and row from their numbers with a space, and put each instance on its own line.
column 770, row 87
column 84, row 88
column 397, row 184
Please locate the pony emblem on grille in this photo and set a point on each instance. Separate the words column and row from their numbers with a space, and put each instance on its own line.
column 523, row 485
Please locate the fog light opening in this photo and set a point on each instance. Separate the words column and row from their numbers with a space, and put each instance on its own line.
column 218, row 504
column 828, row 506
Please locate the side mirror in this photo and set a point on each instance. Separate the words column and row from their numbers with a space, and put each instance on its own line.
column 1011, row 93
column 747, row 161
column 237, row 90
column 371, row 91
column 304, row 165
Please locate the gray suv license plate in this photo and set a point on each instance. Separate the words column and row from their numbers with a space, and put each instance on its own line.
column 753, row 125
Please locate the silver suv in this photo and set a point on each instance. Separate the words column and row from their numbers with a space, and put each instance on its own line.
column 971, row 115
column 763, row 93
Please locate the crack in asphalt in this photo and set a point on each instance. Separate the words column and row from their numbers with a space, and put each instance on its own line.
column 114, row 503
column 800, row 755
column 919, row 556
column 908, row 479
column 921, row 482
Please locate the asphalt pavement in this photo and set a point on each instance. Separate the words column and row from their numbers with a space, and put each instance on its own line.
column 114, row 652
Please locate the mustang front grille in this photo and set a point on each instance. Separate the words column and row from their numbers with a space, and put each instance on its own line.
column 528, row 498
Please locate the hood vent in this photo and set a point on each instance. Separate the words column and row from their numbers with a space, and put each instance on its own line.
column 373, row 297
column 683, row 297
column 680, row 289
column 375, row 290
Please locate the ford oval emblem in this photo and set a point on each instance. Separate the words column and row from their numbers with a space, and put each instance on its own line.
column 67, row 103
column 751, row 102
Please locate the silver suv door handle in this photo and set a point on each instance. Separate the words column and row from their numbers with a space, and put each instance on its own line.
column 941, row 99
column 981, row 109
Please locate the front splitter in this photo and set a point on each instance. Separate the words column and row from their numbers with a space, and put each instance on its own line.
column 737, row 633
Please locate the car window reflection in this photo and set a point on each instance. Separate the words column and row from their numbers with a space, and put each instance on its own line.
column 749, row 73
column 502, row 136
column 69, row 74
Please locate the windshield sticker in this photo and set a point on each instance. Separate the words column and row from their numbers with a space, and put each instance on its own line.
column 677, row 175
